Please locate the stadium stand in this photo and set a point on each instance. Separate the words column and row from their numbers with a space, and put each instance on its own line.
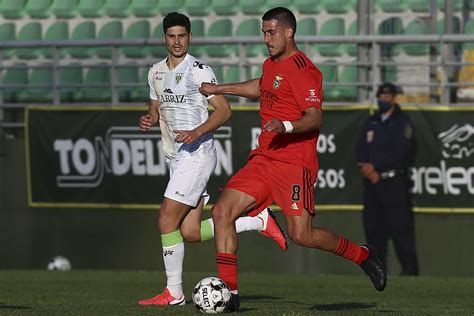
column 65, row 9
column 418, row 6
column 334, row 26
column 70, row 77
column 38, row 9
column 158, row 51
column 139, row 29
column 12, row 9
column 41, row 81
column 198, row 29
column 308, row 6
column 57, row 31
column 127, row 74
column 167, row 6
column 391, row 6
column 14, row 76
column 339, row 6
column 223, row 28
column 197, row 7
column 252, row 7
column 144, row 8
column 330, row 75
column 85, row 30
column 141, row 93
column 417, row 27
column 348, row 75
column 117, row 8
column 251, row 27
column 225, row 7
column 7, row 33
column 351, row 49
column 91, row 8
column 110, row 30
column 98, row 75
column 390, row 26
column 29, row 32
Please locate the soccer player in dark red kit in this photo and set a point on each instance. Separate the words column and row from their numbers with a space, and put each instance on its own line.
column 283, row 169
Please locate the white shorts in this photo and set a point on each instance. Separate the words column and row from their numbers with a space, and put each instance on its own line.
column 188, row 179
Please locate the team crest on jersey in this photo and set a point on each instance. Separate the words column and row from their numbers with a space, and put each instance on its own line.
column 277, row 81
column 178, row 78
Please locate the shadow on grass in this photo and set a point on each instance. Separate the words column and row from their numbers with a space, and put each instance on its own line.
column 6, row 306
column 352, row 306
column 259, row 298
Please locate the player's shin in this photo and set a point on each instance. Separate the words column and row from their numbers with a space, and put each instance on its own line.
column 173, row 257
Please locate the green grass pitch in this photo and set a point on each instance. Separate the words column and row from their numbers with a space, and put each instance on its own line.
column 117, row 292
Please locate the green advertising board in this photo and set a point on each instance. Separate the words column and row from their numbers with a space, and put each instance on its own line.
column 96, row 157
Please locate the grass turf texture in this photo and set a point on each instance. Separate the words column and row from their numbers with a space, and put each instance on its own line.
column 117, row 293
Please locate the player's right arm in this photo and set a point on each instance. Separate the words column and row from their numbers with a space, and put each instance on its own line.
column 248, row 89
column 149, row 120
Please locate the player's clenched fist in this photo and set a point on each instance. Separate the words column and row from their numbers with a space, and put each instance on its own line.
column 208, row 88
column 146, row 122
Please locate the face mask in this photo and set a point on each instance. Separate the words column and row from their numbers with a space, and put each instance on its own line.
column 384, row 106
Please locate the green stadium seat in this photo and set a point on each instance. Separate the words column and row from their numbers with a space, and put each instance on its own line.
column 418, row 6
column 339, row 6
column 17, row 74
column 57, row 31
column 167, row 6
column 117, row 8
column 198, row 30
column 218, row 70
column 197, row 7
column 231, row 75
column 127, row 74
column 144, row 8
column 417, row 27
column 98, row 74
column 252, row 7
column 85, row 30
column 334, row 26
column 388, row 73
column 391, row 6
column 38, row 9
column 469, row 29
column 29, row 32
column 220, row 28
column 37, row 91
column 305, row 27
column 159, row 51
column 469, row 4
column 12, row 9
column 278, row 3
column 251, row 27
column 330, row 75
column 351, row 49
column 69, row 75
column 391, row 26
column 308, row 6
column 457, row 5
column 142, row 92
column 226, row 7
column 348, row 75
column 139, row 29
column 456, row 26
column 110, row 30
column 7, row 33
column 65, row 9
column 91, row 8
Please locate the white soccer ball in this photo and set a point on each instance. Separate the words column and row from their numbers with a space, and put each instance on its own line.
column 59, row 263
column 211, row 295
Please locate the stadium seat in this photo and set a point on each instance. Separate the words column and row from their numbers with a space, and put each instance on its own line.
column 390, row 26
column 388, row 73
column 69, row 75
column 456, row 26
column 142, row 92
column 418, row 6
column 29, row 32
column 127, row 74
column 220, row 28
column 339, row 6
column 252, row 7
column 270, row 4
column 330, row 75
column 218, row 70
column 348, row 75
column 198, row 30
column 308, row 6
column 251, row 27
column 12, row 9
column 144, row 8
column 391, row 6
column 306, row 27
column 17, row 74
column 57, row 31
column 38, row 9
column 111, row 30
column 65, row 9
column 91, row 8
column 159, row 51
column 167, row 6
column 457, row 5
column 7, row 33
column 197, row 7
column 139, row 29
column 225, row 7
column 85, row 30
column 417, row 27
column 98, row 74
column 334, row 26
column 351, row 49
column 40, row 85
column 469, row 4
column 231, row 75
column 117, row 8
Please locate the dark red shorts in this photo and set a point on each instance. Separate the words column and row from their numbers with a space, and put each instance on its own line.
column 290, row 186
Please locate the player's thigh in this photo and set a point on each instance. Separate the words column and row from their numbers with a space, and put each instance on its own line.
column 188, row 179
column 292, row 188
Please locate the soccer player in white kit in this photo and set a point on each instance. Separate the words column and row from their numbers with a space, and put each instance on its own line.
column 188, row 144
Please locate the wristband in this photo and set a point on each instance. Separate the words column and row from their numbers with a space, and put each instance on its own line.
column 288, row 127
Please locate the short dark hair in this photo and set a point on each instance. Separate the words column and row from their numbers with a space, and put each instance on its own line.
column 282, row 15
column 176, row 19
column 387, row 87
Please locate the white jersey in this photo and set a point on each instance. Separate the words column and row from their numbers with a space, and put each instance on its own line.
column 182, row 106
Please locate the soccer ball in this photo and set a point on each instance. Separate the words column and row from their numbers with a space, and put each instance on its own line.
column 211, row 295
column 59, row 263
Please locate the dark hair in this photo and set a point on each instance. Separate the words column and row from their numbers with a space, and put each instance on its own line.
column 176, row 19
column 387, row 87
column 282, row 15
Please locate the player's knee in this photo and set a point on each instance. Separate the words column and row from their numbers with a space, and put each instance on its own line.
column 220, row 214
column 297, row 236
column 191, row 234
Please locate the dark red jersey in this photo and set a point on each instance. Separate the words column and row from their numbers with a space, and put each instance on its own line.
column 287, row 88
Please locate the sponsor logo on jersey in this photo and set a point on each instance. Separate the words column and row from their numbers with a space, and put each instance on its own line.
column 294, row 206
column 312, row 97
column 168, row 90
column 179, row 194
column 277, row 81
column 172, row 98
